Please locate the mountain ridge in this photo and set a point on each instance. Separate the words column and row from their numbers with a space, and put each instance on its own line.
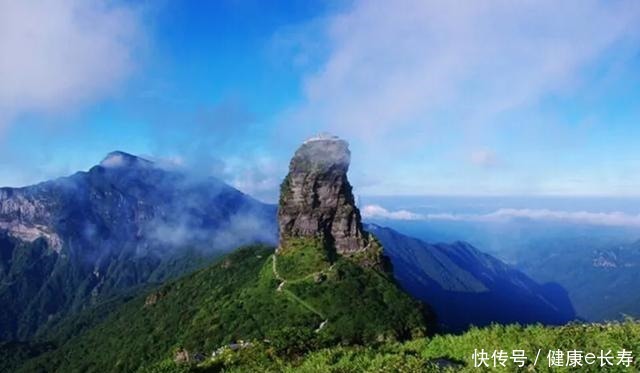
column 69, row 242
column 456, row 277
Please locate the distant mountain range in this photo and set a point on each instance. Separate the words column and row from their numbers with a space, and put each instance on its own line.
column 598, row 275
column 595, row 264
column 466, row 286
column 77, row 241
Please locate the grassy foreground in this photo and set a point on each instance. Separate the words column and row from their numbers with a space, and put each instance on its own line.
column 445, row 352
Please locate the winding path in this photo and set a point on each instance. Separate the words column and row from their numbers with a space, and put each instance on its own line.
column 294, row 297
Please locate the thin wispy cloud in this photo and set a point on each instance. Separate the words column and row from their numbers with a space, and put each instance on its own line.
column 614, row 218
column 259, row 177
column 399, row 64
column 448, row 89
column 59, row 55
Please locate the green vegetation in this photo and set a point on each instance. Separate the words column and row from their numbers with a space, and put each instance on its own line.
column 13, row 354
column 594, row 289
column 373, row 256
column 338, row 317
column 44, row 296
column 306, row 305
column 356, row 303
column 285, row 190
column 440, row 353
column 238, row 299
column 302, row 257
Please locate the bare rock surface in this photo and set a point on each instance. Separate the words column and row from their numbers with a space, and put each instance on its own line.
column 316, row 200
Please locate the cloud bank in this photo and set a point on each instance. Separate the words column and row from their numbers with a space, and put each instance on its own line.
column 379, row 212
column 415, row 63
column 219, row 140
column 614, row 219
column 58, row 54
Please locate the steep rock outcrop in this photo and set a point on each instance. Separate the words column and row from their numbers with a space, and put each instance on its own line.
column 316, row 201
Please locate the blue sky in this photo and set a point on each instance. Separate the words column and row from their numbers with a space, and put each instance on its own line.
column 492, row 98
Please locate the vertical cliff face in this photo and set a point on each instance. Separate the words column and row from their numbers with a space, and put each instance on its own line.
column 316, row 201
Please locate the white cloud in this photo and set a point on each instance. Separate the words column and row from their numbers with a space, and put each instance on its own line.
column 578, row 217
column 58, row 54
column 258, row 176
column 615, row 218
column 113, row 161
column 379, row 212
column 405, row 63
